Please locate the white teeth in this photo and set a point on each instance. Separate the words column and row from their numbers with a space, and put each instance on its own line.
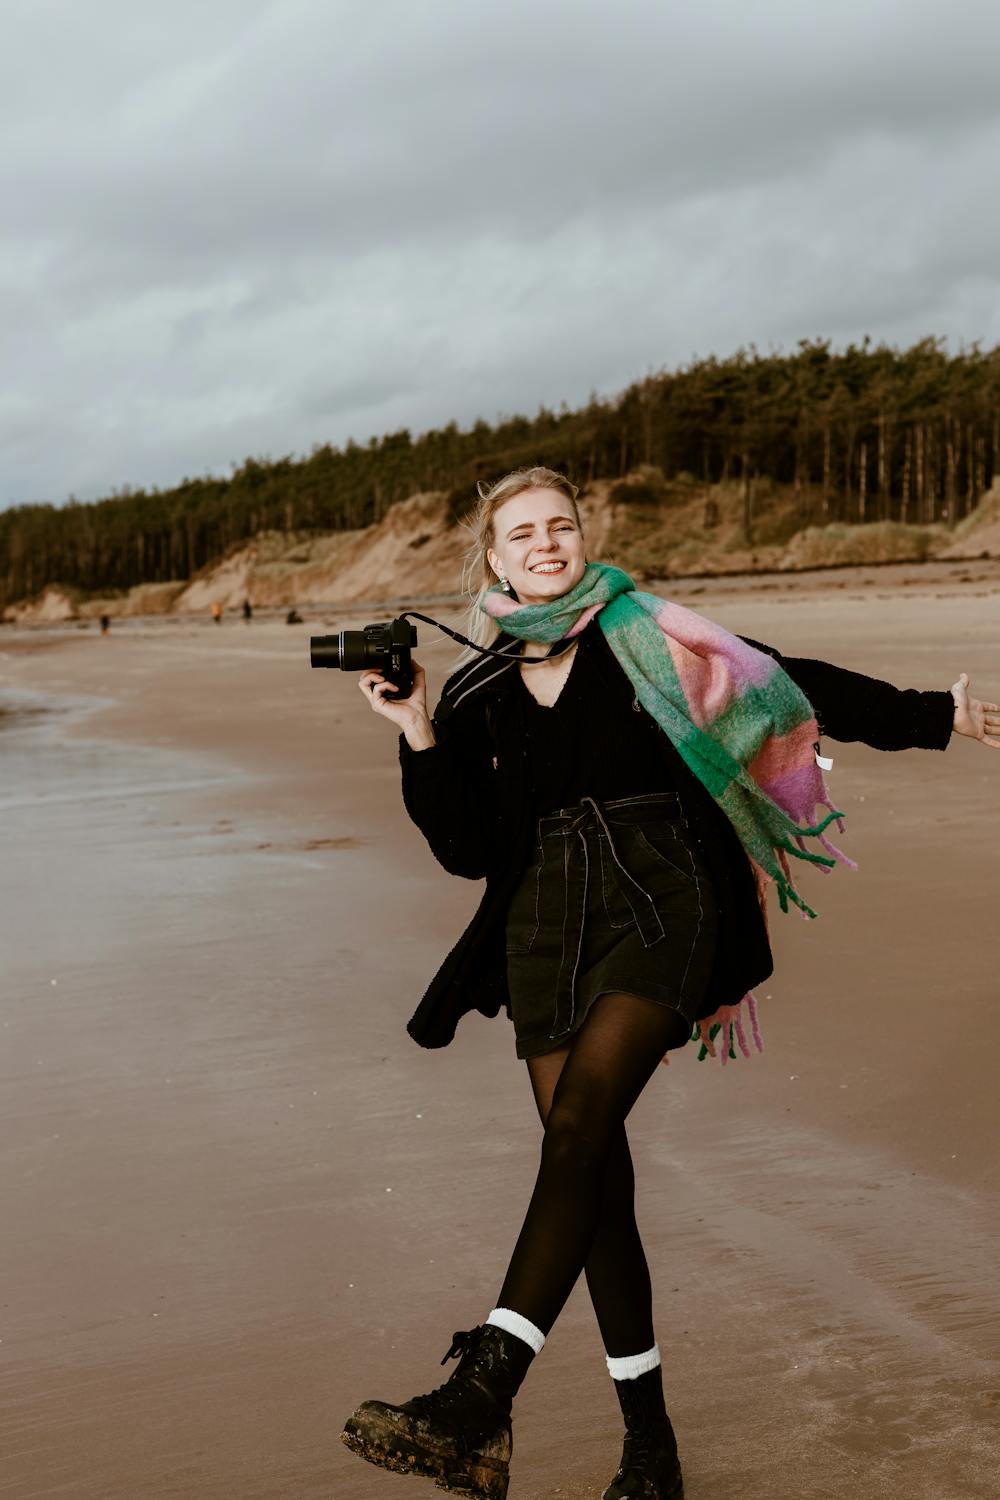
column 547, row 567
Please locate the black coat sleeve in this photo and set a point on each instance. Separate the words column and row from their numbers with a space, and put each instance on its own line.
column 850, row 706
column 449, row 790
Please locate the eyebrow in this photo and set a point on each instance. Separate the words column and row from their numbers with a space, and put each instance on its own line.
column 553, row 520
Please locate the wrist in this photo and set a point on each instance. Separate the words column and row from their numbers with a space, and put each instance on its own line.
column 419, row 733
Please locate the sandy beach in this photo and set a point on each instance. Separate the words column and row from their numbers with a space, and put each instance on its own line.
column 237, row 1199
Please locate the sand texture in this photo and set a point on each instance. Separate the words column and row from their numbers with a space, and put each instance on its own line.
column 237, row 1199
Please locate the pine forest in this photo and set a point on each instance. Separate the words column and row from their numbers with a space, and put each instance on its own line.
column 868, row 434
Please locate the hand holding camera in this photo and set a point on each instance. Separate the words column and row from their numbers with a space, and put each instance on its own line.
column 411, row 714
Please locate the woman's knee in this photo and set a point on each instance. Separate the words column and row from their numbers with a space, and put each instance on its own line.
column 574, row 1138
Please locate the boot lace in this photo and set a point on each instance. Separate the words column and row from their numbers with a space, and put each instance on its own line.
column 461, row 1343
column 442, row 1401
column 439, row 1403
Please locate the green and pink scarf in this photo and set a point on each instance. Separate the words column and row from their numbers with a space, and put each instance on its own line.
column 736, row 718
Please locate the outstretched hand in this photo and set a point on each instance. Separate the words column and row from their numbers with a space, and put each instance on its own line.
column 980, row 721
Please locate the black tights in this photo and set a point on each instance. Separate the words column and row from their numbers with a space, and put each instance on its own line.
column 582, row 1213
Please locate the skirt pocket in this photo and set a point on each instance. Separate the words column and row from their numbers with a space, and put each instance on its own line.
column 662, row 843
column 652, row 864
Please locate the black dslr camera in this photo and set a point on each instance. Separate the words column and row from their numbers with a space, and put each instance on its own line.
column 379, row 648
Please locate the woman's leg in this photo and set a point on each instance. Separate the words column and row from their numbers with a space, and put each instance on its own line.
column 611, row 1059
column 459, row 1434
column 616, row 1270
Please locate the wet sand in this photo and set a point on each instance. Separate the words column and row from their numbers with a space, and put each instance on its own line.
column 238, row 1199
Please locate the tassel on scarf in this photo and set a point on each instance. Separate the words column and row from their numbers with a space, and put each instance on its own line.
column 727, row 1022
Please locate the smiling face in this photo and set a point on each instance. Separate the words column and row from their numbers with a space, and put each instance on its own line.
column 538, row 544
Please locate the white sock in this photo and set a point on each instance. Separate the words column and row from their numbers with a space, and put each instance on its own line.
column 521, row 1328
column 631, row 1366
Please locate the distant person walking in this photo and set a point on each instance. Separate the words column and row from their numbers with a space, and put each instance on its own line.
column 217, row 613
column 247, row 610
column 628, row 783
column 105, row 624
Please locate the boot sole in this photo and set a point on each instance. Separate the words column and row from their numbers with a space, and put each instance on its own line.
column 474, row 1476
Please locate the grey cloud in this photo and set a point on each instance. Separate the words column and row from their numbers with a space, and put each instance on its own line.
column 249, row 227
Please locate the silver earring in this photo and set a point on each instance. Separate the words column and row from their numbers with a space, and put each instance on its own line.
column 505, row 583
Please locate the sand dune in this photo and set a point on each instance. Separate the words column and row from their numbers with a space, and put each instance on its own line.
column 415, row 545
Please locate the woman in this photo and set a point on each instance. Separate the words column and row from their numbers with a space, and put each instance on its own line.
column 626, row 775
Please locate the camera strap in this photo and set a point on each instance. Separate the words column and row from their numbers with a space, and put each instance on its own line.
column 463, row 687
column 556, row 649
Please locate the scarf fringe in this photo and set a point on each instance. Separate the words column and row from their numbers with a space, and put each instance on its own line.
column 783, row 880
column 727, row 1022
column 838, row 818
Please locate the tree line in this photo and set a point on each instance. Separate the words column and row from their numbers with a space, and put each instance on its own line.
column 868, row 433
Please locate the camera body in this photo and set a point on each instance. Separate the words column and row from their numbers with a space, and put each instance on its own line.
column 379, row 648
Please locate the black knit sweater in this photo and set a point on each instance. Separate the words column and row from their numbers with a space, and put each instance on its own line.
column 575, row 753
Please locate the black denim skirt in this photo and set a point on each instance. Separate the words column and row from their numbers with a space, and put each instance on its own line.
column 615, row 898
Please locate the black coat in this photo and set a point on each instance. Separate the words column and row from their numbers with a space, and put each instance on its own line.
column 468, row 796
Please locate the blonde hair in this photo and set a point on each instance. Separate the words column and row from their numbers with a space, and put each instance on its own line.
column 477, row 575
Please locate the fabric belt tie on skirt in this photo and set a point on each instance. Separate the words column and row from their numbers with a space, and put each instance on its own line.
column 576, row 868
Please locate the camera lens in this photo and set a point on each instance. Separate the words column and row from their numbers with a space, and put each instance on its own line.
column 350, row 650
column 358, row 650
column 325, row 650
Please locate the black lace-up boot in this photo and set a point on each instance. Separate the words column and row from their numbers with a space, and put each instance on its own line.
column 650, row 1469
column 459, row 1434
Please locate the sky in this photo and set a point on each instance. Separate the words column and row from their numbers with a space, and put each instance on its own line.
column 248, row 227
